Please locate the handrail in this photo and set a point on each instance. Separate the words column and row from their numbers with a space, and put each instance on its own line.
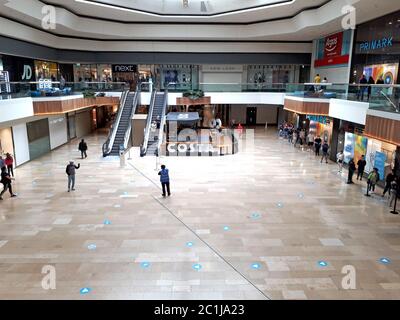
column 162, row 123
column 390, row 101
column 148, row 124
column 129, row 129
column 107, row 146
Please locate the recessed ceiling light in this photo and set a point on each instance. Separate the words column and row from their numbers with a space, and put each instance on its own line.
column 390, row 22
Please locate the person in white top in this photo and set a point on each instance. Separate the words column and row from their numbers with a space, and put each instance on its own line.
column 340, row 159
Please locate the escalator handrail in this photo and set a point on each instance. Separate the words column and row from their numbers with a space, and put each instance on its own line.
column 148, row 123
column 107, row 146
column 162, row 123
column 129, row 129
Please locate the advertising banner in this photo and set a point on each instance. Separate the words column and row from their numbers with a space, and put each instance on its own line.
column 333, row 50
column 380, row 160
column 355, row 147
column 388, row 72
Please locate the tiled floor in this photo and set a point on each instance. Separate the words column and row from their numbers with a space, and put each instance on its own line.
column 266, row 223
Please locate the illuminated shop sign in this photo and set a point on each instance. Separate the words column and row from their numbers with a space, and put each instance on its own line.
column 383, row 43
column 124, row 68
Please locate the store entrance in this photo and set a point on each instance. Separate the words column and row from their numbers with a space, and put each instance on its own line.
column 251, row 116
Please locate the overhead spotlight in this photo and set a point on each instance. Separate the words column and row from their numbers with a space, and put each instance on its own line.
column 185, row 3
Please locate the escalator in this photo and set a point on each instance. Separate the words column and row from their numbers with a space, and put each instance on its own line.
column 121, row 130
column 154, row 132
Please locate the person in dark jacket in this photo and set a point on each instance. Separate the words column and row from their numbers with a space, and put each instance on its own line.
column 83, row 148
column 363, row 87
column 6, row 181
column 70, row 171
column 164, row 179
column 371, row 81
column 317, row 145
column 388, row 183
column 325, row 152
column 352, row 169
column 361, row 167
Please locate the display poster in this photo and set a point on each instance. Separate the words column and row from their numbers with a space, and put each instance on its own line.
column 355, row 147
column 388, row 72
column 380, row 162
column 348, row 147
column 360, row 147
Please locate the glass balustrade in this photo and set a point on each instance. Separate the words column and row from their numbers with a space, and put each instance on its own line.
column 380, row 97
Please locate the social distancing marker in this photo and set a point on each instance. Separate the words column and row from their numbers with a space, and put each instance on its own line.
column 279, row 205
column 300, row 195
column 322, row 263
column 117, row 206
column 189, row 244
column 256, row 266
column 145, row 265
column 384, row 260
column 85, row 290
column 226, row 228
column 92, row 246
column 107, row 222
column 197, row 266
column 255, row 215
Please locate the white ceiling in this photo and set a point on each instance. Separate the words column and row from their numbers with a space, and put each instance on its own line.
column 283, row 22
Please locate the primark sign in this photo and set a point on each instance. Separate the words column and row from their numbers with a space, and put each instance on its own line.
column 376, row 44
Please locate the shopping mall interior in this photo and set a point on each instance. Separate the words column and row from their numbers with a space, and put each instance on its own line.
column 197, row 150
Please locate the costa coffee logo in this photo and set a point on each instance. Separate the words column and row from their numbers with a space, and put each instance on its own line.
column 331, row 44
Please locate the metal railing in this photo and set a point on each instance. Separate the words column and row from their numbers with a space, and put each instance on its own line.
column 143, row 148
column 107, row 146
column 384, row 97
column 162, row 123
column 129, row 129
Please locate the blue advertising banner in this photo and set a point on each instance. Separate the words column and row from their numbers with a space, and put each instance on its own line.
column 380, row 160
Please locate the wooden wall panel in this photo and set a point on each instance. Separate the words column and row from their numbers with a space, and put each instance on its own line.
column 57, row 107
column 307, row 107
column 384, row 129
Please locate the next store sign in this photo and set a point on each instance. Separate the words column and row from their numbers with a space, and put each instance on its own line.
column 385, row 42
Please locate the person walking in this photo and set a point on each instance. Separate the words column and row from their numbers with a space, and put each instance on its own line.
column 6, row 180
column 373, row 178
column 2, row 163
column 164, row 179
column 83, row 148
column 394, row 192
column 340, row 159
column 371, row 81
column 361, row 164
column 9, row 162
column 310, row 140
column 71, row 171
column 352, row 169
column 388, row 182
column 325, row 152
column 363, row 87
column 318, row 142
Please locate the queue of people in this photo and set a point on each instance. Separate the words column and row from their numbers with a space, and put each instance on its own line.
column 297, row 136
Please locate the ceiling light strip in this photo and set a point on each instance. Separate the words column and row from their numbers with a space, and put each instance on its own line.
column 197, row 16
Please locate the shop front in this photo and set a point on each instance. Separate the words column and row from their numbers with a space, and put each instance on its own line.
column 259, row 76
column 181, row 77
column 377, row 50
column 46, row 70
column 125, row 73
column 6, row 142
column 355, row 144
column 320, row 126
